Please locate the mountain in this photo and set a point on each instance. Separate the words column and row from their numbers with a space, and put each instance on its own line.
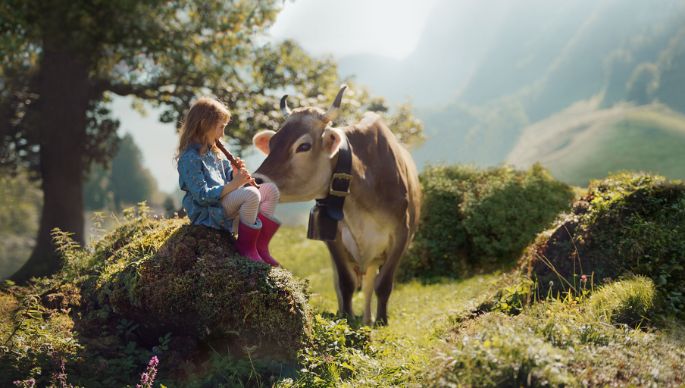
column 454, row 41
column 484, row 72
column 586, row 142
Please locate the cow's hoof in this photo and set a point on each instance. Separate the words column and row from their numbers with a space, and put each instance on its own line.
column 380, row 322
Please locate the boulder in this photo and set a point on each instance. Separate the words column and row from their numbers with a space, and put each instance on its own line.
column 626, row 224
column 168, row 276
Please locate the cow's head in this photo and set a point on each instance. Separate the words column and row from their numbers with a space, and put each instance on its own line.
column 300, row 155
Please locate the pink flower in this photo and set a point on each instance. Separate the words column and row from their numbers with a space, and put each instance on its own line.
column 583, row 278
column 148, row 377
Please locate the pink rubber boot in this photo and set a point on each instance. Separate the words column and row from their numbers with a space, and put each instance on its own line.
column 246, row 244
column 269, row 228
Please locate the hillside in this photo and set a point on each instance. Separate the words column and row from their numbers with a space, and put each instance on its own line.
column 481, row 74
column 584, row 142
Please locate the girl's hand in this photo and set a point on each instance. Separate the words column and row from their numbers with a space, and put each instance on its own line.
column 239, row 162
column 242, row 176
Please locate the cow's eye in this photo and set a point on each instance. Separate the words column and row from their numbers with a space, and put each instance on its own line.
column 304, row 147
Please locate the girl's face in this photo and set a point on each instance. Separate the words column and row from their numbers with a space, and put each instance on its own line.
column 218, row 131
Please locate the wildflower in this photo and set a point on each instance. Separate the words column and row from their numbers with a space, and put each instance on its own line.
column 61, row 377
column 583, row 278
column 30, row 383
column 148, row 377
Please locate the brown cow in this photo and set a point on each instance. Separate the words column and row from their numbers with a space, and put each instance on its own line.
column 381, row 212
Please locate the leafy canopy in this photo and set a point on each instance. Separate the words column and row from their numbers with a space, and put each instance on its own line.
column 163, row 52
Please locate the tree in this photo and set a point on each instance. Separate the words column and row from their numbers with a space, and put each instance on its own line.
column 130, row 181
column 126, row 182
column 20, row 201
column 63, row 59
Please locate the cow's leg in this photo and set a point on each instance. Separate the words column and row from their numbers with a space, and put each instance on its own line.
column 368, row 287
column 386, row 275
column 344, row 277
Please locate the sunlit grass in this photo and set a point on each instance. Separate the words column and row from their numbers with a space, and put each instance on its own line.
column 418, row 313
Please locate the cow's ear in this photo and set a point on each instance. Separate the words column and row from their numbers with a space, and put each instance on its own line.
column 261, row 140
column 332, row 137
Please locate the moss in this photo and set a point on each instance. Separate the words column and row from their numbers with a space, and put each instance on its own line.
column 169, row 276
column 629, row 223
column 152, row 287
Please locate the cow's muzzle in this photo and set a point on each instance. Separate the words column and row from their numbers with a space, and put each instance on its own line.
column 260, row 178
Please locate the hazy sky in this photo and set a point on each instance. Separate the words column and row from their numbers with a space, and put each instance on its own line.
column 384, row 27
column 340, row 28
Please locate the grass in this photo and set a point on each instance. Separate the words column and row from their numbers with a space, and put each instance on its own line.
column 629, row 301
column 585, row 142
column 443, row 333
column 439, row 334
column 419, row 314
column 557, row 343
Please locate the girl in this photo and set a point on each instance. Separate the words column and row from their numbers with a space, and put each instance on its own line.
column 215, row 194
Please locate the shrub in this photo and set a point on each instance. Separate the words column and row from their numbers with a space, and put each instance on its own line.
column 629, row 223
column 627, row 301
column 473, row 218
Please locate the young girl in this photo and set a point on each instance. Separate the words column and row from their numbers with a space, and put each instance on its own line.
column 215, row 194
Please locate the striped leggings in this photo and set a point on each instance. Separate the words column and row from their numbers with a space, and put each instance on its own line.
column 248, row 201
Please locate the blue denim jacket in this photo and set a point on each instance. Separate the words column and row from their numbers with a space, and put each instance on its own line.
column 202, row 177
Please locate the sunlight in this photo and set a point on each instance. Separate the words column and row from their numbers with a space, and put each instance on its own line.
column 384, row 27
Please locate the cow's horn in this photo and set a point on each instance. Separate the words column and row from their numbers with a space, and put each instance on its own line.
column 284, row 106
column 335, row 108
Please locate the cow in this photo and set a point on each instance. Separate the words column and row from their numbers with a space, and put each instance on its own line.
column 380, row 211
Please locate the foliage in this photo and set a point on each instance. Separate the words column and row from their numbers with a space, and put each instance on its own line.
column 181, row 49
column 629, row 223
column 35, row 338
column 513, row 298
column 474, row 218
column 164, row 52
column 331, row 357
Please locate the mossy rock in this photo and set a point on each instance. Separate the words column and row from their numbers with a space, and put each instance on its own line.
column 154, row 288
column 171, row 277
column 629, row 223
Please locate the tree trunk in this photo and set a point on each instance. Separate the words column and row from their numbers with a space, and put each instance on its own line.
column 63, row 105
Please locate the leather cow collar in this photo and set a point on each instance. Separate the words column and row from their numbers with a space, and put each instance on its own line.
column 327, row 212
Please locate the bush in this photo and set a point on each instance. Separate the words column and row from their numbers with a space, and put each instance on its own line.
column 629, row 223
column 474, row 218
column 627, row 301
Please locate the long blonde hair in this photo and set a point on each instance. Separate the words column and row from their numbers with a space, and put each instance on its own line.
column 204, row 115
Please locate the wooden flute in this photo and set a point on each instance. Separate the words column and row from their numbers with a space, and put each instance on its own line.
column 233, row 162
